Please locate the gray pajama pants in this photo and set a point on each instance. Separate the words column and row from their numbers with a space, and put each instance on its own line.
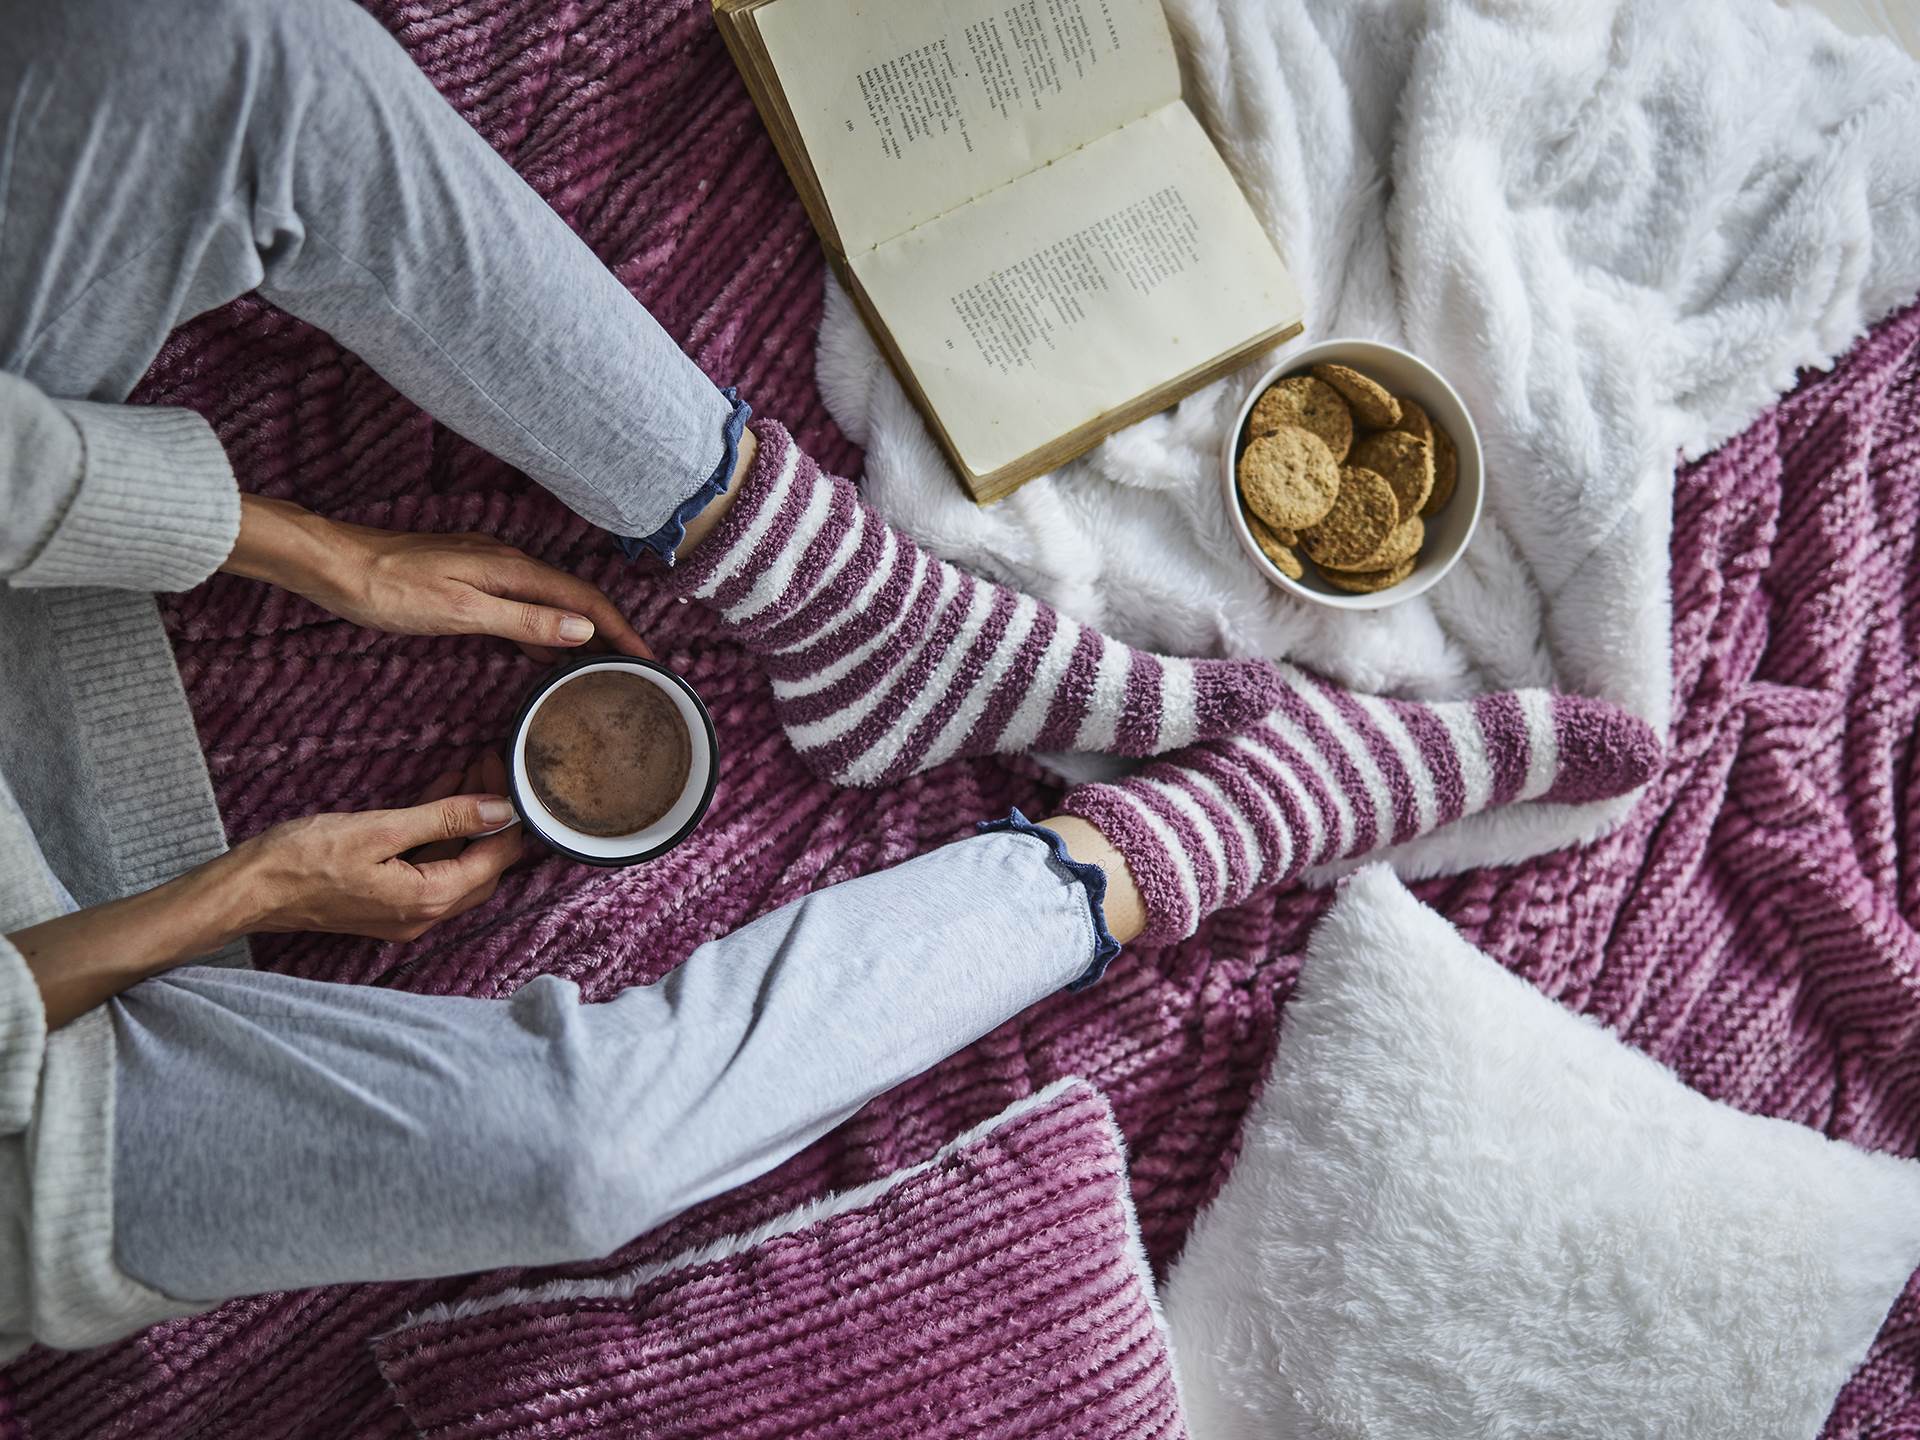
column 159, row 160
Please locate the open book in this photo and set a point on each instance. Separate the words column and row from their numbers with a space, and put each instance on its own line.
column 1038, row 232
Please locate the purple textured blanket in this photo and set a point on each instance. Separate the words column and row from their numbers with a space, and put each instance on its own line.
column 1753, row 925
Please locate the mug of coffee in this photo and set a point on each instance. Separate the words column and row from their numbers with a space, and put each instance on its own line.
column 613, row 760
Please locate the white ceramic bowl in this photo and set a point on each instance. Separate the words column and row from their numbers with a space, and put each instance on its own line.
column 1447, row 532
column 703, row 770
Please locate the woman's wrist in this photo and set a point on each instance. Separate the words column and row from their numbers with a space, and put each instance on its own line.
column 256, row 876
column 289, row 546
column 230, row 894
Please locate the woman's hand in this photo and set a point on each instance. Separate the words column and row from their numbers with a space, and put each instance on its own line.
column 387, row 874
column 411, row 584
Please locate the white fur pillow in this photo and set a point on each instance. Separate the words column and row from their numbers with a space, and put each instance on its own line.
column 1464, row 1211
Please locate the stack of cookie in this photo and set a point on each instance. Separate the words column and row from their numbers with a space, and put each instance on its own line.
column 1338, row 467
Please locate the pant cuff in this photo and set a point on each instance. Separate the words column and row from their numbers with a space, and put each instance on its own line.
column 664, row 541
column 1091, row 877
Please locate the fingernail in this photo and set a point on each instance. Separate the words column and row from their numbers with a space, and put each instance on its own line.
column 576, row 627
column 494, row 812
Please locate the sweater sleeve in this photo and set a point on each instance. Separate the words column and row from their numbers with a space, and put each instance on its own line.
column 132, row 497
column 23, row 1040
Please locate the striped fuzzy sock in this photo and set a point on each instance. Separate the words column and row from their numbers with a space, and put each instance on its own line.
column 886, row 660
column 1331, row 774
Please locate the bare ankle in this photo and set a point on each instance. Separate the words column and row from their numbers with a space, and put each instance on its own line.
column 708, row 520
column 1126, row 911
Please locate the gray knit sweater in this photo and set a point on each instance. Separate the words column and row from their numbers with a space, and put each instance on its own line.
column 103, row 792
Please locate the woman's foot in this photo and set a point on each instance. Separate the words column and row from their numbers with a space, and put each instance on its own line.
column 1330, row 774
column 887, row 660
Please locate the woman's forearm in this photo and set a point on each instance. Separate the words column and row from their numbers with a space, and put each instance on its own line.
column 86, row 958
column 343, row 873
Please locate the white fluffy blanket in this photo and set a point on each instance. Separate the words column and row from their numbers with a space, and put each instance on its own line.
column 1617, row 228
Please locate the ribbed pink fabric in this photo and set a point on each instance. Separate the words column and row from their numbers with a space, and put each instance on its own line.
column 886, row 660
column 1756, row 925
column 998, row 1292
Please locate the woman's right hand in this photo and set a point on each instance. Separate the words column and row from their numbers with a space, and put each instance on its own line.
column 386, row 874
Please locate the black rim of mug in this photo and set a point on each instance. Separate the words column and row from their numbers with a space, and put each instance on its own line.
column 567, row 672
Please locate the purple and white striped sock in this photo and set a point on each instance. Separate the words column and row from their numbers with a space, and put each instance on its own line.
column 886, row 660
column 1331, row 774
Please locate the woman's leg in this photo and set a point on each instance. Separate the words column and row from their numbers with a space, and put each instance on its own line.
column 272, row 1133
column 348, row 1133
column 158, row 160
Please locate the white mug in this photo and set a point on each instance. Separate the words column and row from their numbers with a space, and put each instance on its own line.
column 703, row 770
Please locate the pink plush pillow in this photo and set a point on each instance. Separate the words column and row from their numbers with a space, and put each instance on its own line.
column 997, row 1289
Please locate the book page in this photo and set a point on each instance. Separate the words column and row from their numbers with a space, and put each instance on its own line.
column 909, row 108
column 1079, row 287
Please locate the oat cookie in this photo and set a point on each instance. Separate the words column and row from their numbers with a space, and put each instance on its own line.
column 1404, row 462
column 1403, row 543
column 1263, row 531
column 1279, row 551
column 1369, row 582
column 1363, row 515
column 1446, row 470
column 1371, row 404
column 1413, row 420
column 1289, row 478
column 1281, row 535
column 1311, row 404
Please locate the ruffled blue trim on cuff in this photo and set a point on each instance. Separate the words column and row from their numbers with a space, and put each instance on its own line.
column 664, row 541
column 1091, row 877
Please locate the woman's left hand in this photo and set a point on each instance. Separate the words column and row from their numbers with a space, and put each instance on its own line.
column 420, row 584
